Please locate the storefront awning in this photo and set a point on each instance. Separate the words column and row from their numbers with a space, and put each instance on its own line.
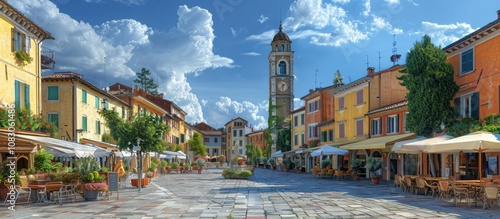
column 277, row 154
column 378, row 142
column 66, row 148
column 177, row 154
column 397, row 146
column 335, row 144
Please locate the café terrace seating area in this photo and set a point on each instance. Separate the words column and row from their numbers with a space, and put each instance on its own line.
column 485, row 192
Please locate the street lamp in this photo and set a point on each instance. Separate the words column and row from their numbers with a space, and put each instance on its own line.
column 139, row 153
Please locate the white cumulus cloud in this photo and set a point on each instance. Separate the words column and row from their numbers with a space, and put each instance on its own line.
column 228, row 109
column 444, row 34
column 263, row 19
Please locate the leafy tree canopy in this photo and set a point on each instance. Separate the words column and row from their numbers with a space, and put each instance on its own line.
column 431, row 87
column 146, row 128
column 196, row 145
column 145, row 81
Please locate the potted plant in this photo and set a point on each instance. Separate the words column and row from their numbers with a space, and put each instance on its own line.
column 23, row 56
column 373, row 165
column 175, row 166
column 272, row 164
column 163, row 166
column 356, row 166
column 298, row 166
column 87, row 168
column 287, row 163
column 325, row 163
column 201, row 164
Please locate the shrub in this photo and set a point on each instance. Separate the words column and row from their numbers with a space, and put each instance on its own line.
column 233, row 174
column 163, row 164
column 104, row 170
column 175, row 165
column 200, row 162
column 287, row 163
column 326, row 162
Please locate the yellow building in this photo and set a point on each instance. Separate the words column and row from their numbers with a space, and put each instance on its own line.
column 298, row 128
column 72, row 103
column 351, row 101
column 20, row 56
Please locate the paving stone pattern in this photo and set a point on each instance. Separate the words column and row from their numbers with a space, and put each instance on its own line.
column 268, row 194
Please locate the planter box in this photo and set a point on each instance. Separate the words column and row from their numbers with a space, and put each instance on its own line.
column 144, row 182
column 90, row 195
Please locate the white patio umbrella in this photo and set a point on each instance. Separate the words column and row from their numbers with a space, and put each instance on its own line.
column 133, row 161
column 476, row 142
column 423, row 145
column 328, row 150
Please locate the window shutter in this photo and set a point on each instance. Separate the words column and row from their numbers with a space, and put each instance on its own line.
column 28, row 44
column 13, row 39
column 456, row 102
column 23, row 42
column 397, row 123
column 27, row 96
column 475, row 105
column 17, row 94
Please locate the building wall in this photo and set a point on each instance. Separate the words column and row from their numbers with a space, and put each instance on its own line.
column 71, row 119
column 313, row 118
column 351, row 113
column 257, row 139
column 385, row 88
column 484, row 79
column 298, row 129
column 14, row 69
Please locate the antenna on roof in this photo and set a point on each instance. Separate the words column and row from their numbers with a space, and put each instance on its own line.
column 395, row 57
column 315, row 77
column 105, row 82
column 367, row 62
column 379, row 60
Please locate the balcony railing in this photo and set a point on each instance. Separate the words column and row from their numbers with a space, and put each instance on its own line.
column 47, row 59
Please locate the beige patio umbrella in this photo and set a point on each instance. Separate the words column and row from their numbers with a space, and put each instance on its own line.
column 133, row 161
column 476, row 142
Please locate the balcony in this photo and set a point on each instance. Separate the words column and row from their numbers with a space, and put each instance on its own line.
column 47, row 59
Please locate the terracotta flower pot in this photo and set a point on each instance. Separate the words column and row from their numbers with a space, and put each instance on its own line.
column 375, row 180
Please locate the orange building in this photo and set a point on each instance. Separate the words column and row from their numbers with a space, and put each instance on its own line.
column 257, row 139
column 476, row 62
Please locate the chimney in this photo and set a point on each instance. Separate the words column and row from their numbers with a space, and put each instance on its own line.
column 160, row 95
column 498, row 14
column 370, row 70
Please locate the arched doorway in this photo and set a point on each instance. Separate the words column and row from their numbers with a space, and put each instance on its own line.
column 393, row 165
column 22, row 163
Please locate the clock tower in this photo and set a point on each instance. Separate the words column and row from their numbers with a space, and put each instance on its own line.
column 281, row 74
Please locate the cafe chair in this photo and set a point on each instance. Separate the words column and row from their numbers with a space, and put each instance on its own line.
column 42, row 194
column 432, row 188
column 459, row 193
column 490, row 195
column 20, row 191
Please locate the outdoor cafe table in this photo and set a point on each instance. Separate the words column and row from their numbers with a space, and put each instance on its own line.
column 473, row 185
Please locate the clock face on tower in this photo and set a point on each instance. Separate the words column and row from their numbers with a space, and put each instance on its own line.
column 282, row 86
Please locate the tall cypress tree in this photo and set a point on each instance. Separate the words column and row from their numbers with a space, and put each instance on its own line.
column 145, row 81
column 429, row 80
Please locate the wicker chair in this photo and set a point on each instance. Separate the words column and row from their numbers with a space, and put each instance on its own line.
column 323, row 173
column 398, row 181
column 330, row 173
column 444, row 190
column 408, row 185
column 433, row 187
column 459, row 192
column 348, row 173
column 420, row 185
column 490, row 194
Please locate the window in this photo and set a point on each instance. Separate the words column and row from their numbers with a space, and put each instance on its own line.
column 177, row 140
column 21, row 95
column 241, row 143
column 341, row 103
column 282, row 68
column 313, row 131
column 359, row 97
column 360, row 127
column 183, row 138
column 282, row 47
column 341, row 130
column 302, row 120
column 405, row 125
column 84, row 96
column 206, row 140
column 235, row 133
column 241, row 132
column 54, row 118
column 215, row 152
column 216, row 140
column 53, row 93
column 295, row 139
column 20, row 41
column 123, row 112
column 323, row 136
column 105, row 104
column 295, row 121
column 330, row 135
column 98, row 127
column 376, row 126
column 313, row 106
column 393, row 124
column 97, row 102
column 302, row 138
column 84, row 123
column 468, row 105
column 240, row 151
column 467, row 61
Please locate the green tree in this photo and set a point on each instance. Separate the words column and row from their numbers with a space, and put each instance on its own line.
column 127, row 132
column 145, row 81
column 283, row 140
column 196, row 145
column 431, row 88
column 338, row 79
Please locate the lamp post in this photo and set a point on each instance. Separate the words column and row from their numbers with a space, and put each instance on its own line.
column 139, row 155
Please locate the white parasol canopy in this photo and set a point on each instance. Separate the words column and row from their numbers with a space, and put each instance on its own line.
column 328, row 150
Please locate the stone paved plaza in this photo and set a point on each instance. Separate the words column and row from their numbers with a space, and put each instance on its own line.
column 268, row 194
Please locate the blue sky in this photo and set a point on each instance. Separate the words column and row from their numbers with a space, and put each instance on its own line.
column 210, row 57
